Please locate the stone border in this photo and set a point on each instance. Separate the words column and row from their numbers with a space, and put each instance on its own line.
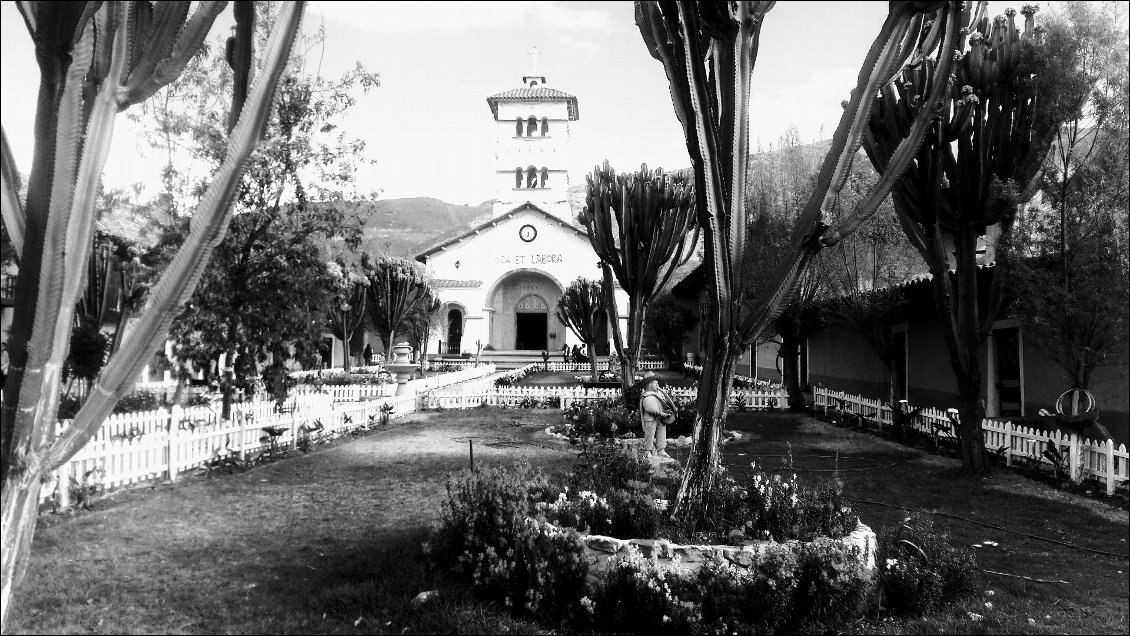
column 600, row 550
column 683, row 441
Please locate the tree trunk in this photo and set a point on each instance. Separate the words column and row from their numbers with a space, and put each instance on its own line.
column 710, row 419
column 790, row 372
column 345, row 349
column 20, row 510
column 592, row 361
column 972, row 411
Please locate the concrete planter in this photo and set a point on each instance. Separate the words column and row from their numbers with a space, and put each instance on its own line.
column 599, row 550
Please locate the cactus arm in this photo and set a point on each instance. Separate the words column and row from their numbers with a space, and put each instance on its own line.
column 206, row 230
column 893, row 170
column 15, row 219
column 47, row 348
column 171, row 44
column 848, row 136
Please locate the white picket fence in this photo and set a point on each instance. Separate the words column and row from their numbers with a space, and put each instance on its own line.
column 132, row 448
column 1086, row 459
column 473, row 395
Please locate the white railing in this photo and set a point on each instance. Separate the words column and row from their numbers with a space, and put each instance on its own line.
column 601, row 365
column 697, row 369
column 472, row 395
column 1086, row 459
column 357, row 392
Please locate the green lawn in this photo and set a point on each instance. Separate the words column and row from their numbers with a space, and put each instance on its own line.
column 329, row 542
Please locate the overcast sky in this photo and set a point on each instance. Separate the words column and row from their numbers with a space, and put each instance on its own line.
column 429, row 127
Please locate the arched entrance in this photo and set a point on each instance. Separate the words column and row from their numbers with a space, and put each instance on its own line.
column 454, row 331
column 523, row 313
column 531, row 323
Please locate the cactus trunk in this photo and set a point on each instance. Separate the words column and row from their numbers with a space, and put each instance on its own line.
column 88, row 75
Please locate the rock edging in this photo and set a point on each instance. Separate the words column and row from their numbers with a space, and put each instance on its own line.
column 600, row 550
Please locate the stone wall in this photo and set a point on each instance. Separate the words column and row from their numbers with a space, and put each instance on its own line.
column 599, row 550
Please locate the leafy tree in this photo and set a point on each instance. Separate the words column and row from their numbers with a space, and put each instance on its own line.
column 668, row 323
column 978, row 163
column 396, row 288
column 708, row 52
column 97, row 59
column 579, row 307
column 639, row 225
column 1067, row 262
column 267, row 293
column 347, row 304
column 421, row 323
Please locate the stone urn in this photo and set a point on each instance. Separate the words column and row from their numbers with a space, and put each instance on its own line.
column 400, row 364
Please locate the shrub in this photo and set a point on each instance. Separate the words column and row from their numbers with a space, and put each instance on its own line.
column 604, row 467
column 921, row 569
column 486, row 538
column 636, row 596
column 755, row 600
column 832, row 585
column 782, row 508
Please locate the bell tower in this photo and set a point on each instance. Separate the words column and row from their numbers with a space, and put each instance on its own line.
column 532, row 139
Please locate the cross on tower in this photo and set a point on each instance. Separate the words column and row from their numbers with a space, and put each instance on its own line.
column 533, row 53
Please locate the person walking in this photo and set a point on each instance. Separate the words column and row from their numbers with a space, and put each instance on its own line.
column 368, row 355
column 656, row 412
column 565, row 353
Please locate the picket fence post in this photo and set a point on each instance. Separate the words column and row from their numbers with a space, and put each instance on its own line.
column 1074, row 459
column 1008, row 443
column 294, row 427
column 174, row 429
column 1110, row 480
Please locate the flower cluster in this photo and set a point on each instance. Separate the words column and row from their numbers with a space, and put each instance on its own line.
column 511, row 377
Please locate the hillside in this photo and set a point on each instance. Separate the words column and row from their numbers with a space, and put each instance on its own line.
column 396, row 226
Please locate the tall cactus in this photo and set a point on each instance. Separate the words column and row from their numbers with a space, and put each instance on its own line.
column 640, row 225
column 97, row 59
column 708, row 51
column 396, row 287
column 578, row 308
column 978, row 162
column 347, row 308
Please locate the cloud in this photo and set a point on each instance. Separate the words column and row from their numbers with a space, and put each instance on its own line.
column 451, row 17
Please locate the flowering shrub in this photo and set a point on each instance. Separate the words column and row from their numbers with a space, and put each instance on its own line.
column 485, row 537
column 637, row 596
column 754, row 600
column 603, row 419
column 831, row 582
column 777, row 508
column 781, row 507
column 511, row 377
column 921, row 569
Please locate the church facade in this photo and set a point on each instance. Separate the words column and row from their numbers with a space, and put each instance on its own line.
column 500, row 278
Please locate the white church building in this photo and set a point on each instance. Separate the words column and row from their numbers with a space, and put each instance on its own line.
column 499, row 279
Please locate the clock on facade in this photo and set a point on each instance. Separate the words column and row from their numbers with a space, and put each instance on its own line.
column 528, row 233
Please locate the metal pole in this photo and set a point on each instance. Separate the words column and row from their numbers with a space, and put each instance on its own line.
column 471, row 449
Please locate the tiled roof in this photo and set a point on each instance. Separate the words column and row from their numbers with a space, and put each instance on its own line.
column 534, row 94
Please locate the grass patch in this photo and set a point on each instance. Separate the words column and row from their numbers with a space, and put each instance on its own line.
column 316, row 542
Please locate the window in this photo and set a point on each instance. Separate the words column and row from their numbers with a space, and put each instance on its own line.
column 545, row 177
column 518, row 127
column 531, row 177
column 531, row 126
column 517, row 178
column 544, row 126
